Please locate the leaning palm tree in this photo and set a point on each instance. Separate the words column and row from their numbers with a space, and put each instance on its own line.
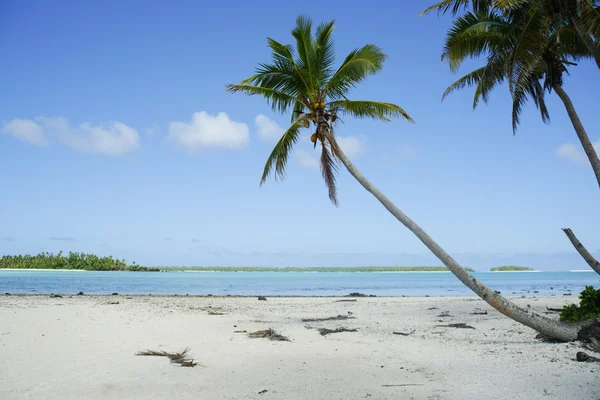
column 303, row 81
column 584, row 15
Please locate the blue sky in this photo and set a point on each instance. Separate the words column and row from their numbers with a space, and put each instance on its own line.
column 113, row 142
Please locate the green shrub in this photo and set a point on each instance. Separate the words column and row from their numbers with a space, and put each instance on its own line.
column 588, row 307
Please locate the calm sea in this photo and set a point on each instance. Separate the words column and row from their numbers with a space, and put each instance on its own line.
column 291, row 283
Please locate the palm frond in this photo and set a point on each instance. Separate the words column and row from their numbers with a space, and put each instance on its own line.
column 359, row 64
column 329, row 170
column 370, row 109
column 473, row 35
column 455, row 6
column 324, row 52
column 279, row 101
column 589, row 13
column 279, row 156
column 484, row 79
column 305, row 49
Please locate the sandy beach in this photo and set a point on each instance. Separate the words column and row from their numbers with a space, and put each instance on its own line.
column 83, row 347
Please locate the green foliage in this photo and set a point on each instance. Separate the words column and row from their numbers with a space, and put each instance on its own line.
column 81, row 261
column 311, row 269
column 505, row 268
column 521, row 44
column 301, row 79
column 589, row 306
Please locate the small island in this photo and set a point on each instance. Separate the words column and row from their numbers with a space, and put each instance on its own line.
column 72, row 261
column 511, row 268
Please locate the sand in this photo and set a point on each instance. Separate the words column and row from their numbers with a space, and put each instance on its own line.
column 82, row 347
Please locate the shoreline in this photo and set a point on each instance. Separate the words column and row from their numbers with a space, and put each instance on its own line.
column 49, row 269
column 268, row 296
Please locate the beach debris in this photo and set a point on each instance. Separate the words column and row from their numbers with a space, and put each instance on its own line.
column 457, row 325
column 553, row 309
column 113, row 302
column 263, row 391
column 128, row 298
column 216, row 313
column 357, row 294
column 327, row 331
column 263, row 298
column 581, row 356
column 432, row 308
column 189, row 363
column 269, row 334
column 240, row 331
column 115, row 294
column 444, row 314
column 336, row 318
column 345, row 301
column 80, row 294
column 55, row 296
column 404, row 334
column 180, row 357
column 479, row 311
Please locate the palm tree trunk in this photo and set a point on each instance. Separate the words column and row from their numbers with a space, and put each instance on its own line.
column 556, row 329
column 588, row 148
column 586, row 37
column 582, row 250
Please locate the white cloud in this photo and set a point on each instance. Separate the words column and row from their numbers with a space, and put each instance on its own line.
column 205, row 131
column 574, row 154
column 401, row 152
column 268, row 130
column 306, row 159
column 27, row 130
column 350, row 145
column 112, row 138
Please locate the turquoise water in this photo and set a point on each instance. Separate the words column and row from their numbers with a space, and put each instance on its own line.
column 291, row 283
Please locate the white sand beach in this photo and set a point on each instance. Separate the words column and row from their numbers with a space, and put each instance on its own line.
column 82, row 347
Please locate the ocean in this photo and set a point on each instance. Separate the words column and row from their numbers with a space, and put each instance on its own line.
column 291, row 283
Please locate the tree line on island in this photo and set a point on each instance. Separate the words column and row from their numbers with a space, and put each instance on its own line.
column 531, row 44
column 72, row 261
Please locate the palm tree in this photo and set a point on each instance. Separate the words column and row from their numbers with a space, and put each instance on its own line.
column 584, row 15
column 533, row 56
column 527, row 51
column 303, row 81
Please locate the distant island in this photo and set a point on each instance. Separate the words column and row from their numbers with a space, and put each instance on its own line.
column 91, row 262
column 512, row 268
column 72, row 261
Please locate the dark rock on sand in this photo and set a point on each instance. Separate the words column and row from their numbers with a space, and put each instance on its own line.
column 263, row 298
column 581, row 356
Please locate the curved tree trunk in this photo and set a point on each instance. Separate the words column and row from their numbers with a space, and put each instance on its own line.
column 582, row 250
column 588, row 148
column 549, row 327
column 592, row 46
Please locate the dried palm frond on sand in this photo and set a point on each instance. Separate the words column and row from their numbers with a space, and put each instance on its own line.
column 269, row 334
column 176, row 358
